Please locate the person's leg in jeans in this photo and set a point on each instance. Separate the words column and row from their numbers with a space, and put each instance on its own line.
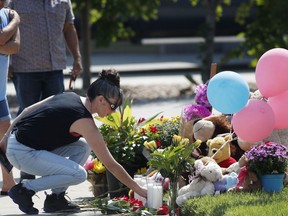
column 8, row 180
column 58, row 169
column 28, row 88
column 53, row 83
column 32, row 87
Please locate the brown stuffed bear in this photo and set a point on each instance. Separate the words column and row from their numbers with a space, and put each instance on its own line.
column 210, row 127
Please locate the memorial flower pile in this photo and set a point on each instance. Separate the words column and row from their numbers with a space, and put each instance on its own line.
column 125, row 205
column 120, row 131
column 159, row 134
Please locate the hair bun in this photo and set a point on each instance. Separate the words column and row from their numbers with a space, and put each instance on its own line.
column 112, row 76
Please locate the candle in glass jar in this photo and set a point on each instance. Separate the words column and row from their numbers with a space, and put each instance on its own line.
column 143, row 184
column 150, row 184
column 138, row 180
column 157, row 195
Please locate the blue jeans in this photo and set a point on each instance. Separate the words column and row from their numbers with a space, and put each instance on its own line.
column 58, row 169
column 32, row 87
column 4, row 110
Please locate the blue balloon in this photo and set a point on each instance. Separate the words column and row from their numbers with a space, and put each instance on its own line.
column 228, row 92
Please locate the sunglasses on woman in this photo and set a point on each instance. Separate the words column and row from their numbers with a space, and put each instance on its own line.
column 112, row 105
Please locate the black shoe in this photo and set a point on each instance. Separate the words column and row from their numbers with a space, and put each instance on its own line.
column 55, row 203
column 23, row 197
column 24, row 175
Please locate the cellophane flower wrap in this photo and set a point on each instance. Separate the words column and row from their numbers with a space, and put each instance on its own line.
column 202, row 108
column 268, row 158
column 193, row 111
column 201, row 96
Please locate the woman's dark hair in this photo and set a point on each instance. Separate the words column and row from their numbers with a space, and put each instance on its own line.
column 108, row 85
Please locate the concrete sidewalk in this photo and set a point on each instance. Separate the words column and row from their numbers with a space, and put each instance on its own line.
column 76, row 193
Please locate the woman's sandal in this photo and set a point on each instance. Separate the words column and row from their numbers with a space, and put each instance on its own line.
column 3, row 193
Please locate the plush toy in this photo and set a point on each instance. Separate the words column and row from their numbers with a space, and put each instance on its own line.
column 211, row 127
column 247, row 180
column 219, row 150
column 208, row 128
column 228, row 181
column 202, row 182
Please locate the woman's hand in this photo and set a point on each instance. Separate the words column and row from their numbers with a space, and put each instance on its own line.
column 141, row 191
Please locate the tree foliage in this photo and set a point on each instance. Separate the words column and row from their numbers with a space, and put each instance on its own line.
column 214, row 11
column 111, row 16
column 267, row 30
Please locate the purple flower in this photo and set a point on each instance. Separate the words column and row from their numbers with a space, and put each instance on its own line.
column 201, row 96
column 269, row 157
column 195, row 111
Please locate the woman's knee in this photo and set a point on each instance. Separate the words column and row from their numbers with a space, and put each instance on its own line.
column 81, row 175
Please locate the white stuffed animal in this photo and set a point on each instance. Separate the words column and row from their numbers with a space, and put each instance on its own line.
column 202, row 183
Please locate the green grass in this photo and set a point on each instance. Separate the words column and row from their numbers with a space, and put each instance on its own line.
column 238, row 204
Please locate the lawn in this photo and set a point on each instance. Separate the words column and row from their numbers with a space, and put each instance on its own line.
column 238, row 204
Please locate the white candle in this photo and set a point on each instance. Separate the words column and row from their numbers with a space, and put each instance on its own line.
column 143, row 184
column 150, row 184
column 157, row 195
column 137, row 179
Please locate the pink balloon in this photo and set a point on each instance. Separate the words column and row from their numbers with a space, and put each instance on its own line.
column 254, row 122
column 279, row 104
column 272, row 72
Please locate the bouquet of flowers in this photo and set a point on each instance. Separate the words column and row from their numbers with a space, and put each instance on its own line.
column 159, row 133
column 96, row 173
column 268, row 158
column 202, row 108
column 120, row 131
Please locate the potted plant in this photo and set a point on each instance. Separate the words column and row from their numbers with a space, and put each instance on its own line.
column 269, row 160
column 171, row 162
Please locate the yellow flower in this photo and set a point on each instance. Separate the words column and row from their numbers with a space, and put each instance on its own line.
column 176, row 139
column 150, row 145
column 98, row 167
column 185, row 141
column 141, row 171
column 197, row 143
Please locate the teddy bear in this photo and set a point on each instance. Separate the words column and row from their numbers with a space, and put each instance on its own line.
column 219, row 150
column 211, row 127
column 202, row 182
column 247, row 180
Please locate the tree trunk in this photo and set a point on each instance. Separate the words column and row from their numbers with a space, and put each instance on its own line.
column 86, row 44
column 209, row 39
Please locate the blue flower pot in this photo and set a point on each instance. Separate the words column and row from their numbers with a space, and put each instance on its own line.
column 272, row 183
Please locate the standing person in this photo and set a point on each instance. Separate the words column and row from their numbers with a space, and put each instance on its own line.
column 46, row 28
column 9, row 44
column 45, row 134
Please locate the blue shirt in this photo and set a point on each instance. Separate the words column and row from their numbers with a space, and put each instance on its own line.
column 4, row 59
